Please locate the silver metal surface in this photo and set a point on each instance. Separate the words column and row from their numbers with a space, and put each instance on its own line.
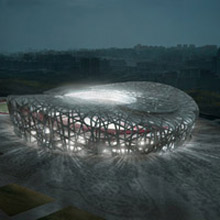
column 120, row 118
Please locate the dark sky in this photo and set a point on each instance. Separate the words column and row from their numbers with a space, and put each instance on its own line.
column 74, row 24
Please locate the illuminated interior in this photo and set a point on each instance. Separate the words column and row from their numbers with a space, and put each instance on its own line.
column 142, row 117
column 106, row 96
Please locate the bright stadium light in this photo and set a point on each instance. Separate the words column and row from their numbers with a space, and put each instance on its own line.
column 117, row 119
column 106, row 96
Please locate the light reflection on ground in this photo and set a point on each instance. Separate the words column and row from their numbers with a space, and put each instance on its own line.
column 183, row 184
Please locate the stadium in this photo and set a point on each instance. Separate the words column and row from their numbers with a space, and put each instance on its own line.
column 118, row 118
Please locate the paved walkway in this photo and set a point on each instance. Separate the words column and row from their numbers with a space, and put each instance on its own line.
column 179, row 185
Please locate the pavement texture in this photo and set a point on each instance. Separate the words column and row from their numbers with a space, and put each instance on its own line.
column 183, row 184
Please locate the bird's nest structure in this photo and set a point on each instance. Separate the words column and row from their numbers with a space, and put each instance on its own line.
column 119, row 118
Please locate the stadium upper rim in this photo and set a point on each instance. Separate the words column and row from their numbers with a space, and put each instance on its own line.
column 138, row 114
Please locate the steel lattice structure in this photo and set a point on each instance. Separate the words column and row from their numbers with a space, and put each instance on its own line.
column 119, row 118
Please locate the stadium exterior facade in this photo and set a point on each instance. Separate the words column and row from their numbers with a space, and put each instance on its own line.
column 120, row 118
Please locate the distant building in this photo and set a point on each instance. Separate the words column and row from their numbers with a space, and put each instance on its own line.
column 90, row 66
column 192, row 72
column 201, row 63
column 192, row 46
column 151, row 66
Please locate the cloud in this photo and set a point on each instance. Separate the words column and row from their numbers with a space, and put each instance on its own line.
column 50, row 2
column 63, row 24
column 62, row 3
column 22, row 3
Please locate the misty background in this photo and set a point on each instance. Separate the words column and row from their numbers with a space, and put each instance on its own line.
column 73, row 24
column 47, row 43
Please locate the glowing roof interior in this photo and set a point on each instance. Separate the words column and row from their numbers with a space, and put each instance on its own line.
column 119, row 118
column 104, row 95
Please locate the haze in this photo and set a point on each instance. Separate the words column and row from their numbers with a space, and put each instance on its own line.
column 74, row 24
